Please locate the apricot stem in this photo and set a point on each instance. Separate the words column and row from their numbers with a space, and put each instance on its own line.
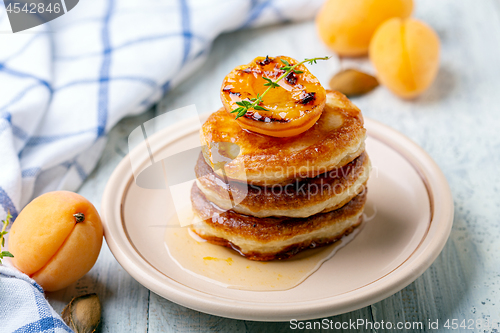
column 79, row 217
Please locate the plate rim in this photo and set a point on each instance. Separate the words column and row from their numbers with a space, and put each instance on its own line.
column 425, row 254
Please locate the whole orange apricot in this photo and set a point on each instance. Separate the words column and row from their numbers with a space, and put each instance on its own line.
column 405, row 54
column 346, row 26
column 56, row 239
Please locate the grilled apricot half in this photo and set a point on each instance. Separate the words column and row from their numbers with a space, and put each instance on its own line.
column 291, row 108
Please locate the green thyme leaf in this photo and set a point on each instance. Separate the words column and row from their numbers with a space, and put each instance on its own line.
column 258, row 107
column 240, row 114
column 2, row 239
column 7, row 254
column 237, row 110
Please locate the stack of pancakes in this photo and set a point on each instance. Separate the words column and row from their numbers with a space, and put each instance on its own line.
column 274, row 197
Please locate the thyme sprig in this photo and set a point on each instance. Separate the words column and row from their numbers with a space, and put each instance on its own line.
column 2, row 239
column 253, row 103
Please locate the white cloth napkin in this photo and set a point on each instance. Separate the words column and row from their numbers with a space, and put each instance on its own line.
column 65, row 84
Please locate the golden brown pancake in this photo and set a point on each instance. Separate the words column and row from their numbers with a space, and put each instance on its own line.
column 302, row 198
column 334, row 140
column 272, row 237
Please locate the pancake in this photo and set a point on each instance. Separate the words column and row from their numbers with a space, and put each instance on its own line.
column 272, row 238
column 302, row 198
column 334, row 140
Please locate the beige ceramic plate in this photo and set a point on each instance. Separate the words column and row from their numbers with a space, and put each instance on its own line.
column 407, row 191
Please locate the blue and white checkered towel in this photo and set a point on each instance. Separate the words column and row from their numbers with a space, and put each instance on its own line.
column 23, row 308
column 65, row 84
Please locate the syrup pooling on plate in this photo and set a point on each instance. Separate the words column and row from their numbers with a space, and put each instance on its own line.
column 227, row 268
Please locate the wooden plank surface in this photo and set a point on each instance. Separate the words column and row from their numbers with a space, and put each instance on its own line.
column 456, row 122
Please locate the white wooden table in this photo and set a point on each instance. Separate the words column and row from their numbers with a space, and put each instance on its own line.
column 457, row 122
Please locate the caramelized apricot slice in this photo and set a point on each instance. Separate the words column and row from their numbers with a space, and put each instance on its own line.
column 292, row 108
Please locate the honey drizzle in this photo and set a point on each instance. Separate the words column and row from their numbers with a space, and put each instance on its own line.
column 227, row 268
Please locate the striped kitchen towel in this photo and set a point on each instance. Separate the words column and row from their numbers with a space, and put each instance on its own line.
column 23, row 308
column 66, row 83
